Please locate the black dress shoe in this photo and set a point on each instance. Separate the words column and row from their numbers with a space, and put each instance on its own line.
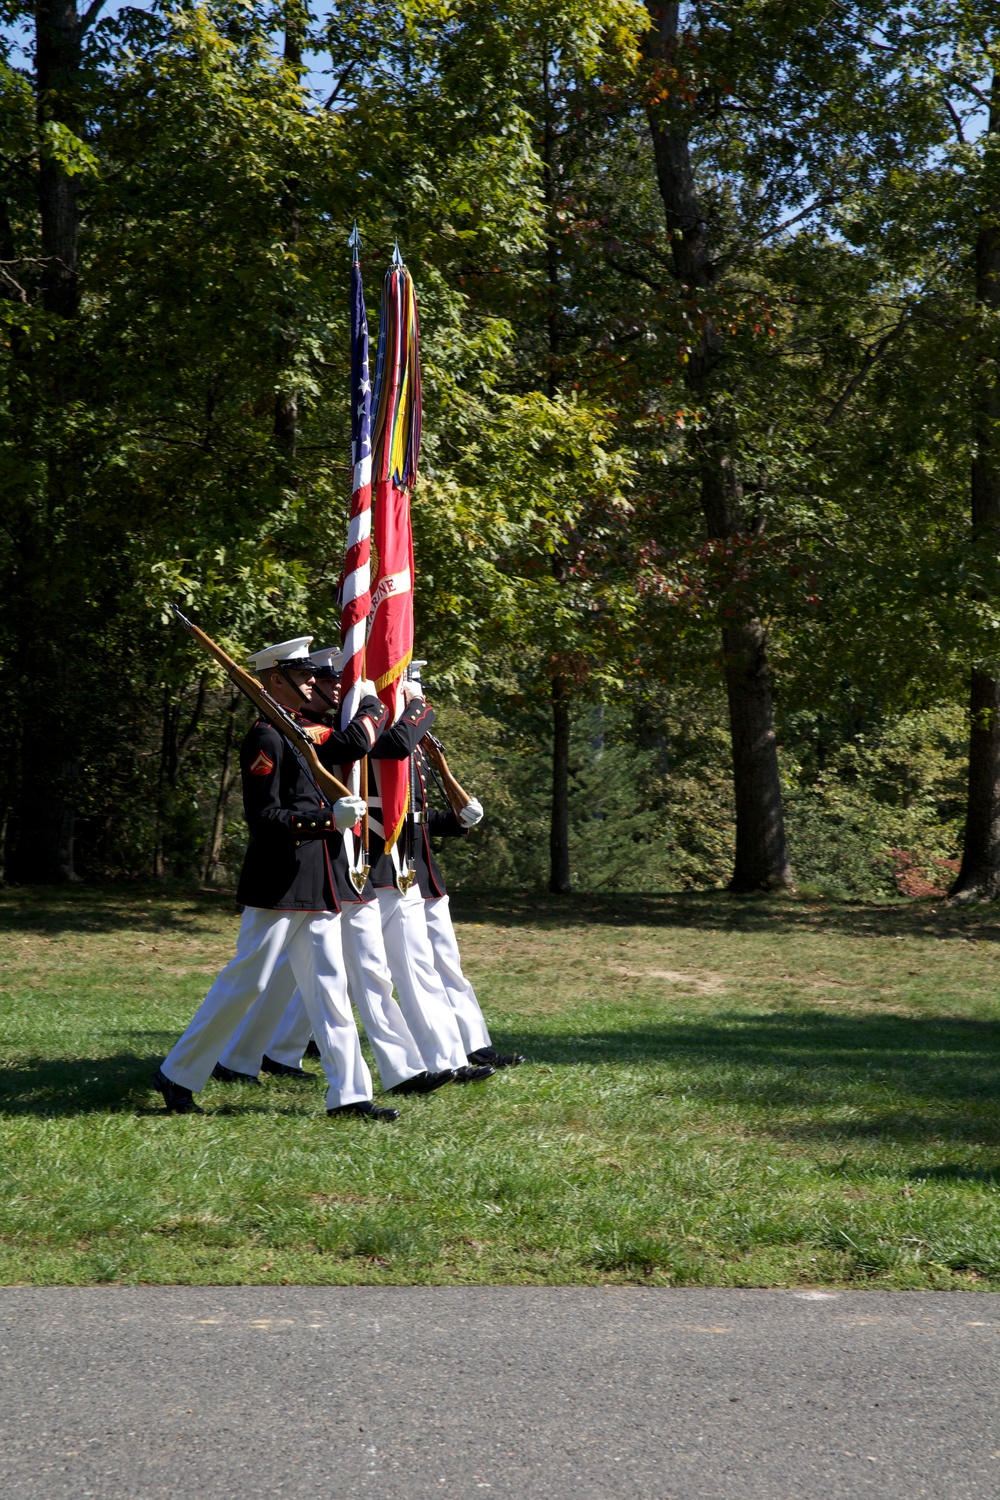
column 230, row 1075
column 282, row 1070
column 179, row 1101
column 495, row 1059
column 311, row 1048
column 366, row 1109
column 472, row 1074
column 422, row 1083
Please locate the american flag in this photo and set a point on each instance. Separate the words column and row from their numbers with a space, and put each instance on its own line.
column 355, row 594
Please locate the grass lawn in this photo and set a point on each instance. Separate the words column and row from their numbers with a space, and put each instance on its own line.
column 731, row 1092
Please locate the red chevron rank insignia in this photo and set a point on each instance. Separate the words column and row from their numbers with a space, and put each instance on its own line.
column 262, row 766
column 318, row 733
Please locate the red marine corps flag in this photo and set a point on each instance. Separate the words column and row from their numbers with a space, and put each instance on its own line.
column 396, row 446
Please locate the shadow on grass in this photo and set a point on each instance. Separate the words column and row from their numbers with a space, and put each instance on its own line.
column 55, row 910
column 964, row 1052
column 717, row 911
column 863, row 1077
column 144, row 907
column 903, row 1127
column 903, row 1078
column 122, row 1083
column 955, row 1172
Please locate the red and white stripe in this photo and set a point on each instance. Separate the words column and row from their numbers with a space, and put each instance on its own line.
column 356, row 597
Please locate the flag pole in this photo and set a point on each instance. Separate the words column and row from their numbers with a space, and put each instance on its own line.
column 357, row 568
column 364, row 864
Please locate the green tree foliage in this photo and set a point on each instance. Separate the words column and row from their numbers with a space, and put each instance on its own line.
column 174, row 415
column 213, row 274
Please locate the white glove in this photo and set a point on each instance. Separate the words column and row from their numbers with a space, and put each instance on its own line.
column 348, row 811
column 471, row 814
column 368, row 688
column 412, row 690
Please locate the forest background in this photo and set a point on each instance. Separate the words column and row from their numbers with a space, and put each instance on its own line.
column 708, row 523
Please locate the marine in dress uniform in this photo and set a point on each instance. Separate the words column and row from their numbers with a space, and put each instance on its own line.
column 292, row 887
column 428, row 823
column 423, row 997
column 257, row 1044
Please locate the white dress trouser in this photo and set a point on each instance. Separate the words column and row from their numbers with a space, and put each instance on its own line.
column 461, row 995
column 422, row 997
column 292, row 1033
column 369, row 985
column 312, row 943
column 244, row 1051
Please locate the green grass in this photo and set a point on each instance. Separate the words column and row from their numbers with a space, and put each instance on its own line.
column 747, row 1093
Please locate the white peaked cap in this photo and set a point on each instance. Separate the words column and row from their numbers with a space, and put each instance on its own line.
column 330, row 656
column 285, row 653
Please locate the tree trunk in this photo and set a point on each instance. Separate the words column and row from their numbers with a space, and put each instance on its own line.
column 761, row 859
column 559, row 875
column 979, row 874
column 560, row 880
column 286, row 396
column 761, row 855
column 173, row 743
column 227, row 777
column 57, row 67
column 168, row 761
column 43, row 826
column 286, row 425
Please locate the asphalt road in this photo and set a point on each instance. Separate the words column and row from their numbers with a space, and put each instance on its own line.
column 408, row 1392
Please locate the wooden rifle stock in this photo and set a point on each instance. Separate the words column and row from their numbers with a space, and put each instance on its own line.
column 272, row 711
column 456, row 794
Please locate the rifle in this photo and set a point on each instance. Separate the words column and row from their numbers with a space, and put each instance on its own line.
column 456, row 794
column 272, row 711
